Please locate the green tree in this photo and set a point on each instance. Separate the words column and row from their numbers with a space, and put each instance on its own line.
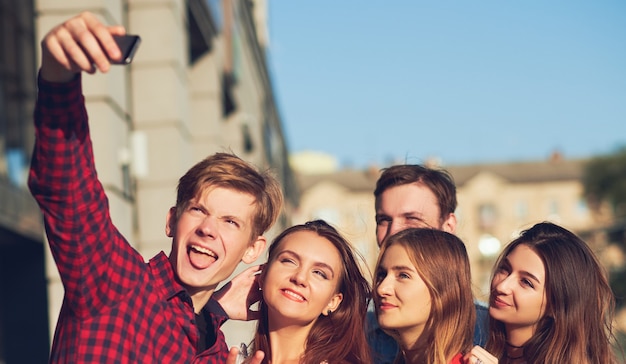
column 604, row 181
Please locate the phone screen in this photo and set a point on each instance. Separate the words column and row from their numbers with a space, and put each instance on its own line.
column 128, row 46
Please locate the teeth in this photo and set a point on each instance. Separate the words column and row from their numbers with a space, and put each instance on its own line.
column 202, row 250
column 295, row 295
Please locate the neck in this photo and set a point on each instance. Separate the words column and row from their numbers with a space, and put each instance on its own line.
column 199, row 299
column 288, row 343
column 518, row 336
column 412, row 344
column 519, row 359
column 413, row 356
column 514, row 348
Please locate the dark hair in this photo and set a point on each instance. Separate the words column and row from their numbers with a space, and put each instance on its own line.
column 338, row 337
column 439, row 181
column 229, row 171
column 441, row 260
column 577, row 324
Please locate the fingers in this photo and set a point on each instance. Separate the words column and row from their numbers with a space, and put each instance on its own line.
column 232, row 355
column 239, row 294
column 257, row 358
column 478, row 355
column 81, row 43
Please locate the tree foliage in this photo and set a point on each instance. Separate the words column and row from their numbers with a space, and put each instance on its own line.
column 604, row 181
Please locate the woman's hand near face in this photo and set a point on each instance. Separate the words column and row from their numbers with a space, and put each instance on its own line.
column 240, row 293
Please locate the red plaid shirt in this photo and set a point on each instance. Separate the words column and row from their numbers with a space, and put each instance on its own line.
column 117, row 308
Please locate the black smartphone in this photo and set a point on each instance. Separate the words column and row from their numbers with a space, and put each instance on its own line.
column 128, row 46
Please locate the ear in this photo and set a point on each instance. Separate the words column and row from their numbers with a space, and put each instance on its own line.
column 333, row 304
column 449, row 225
column 170, row 222
column 254, row 250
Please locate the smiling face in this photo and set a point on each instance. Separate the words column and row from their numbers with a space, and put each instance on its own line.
column 518, row 295
column 401, row 295
column 411, row 205
column 210, row 237
column 301, row 281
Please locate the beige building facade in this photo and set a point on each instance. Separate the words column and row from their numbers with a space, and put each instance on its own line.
column 198, row 84
column 495, row 203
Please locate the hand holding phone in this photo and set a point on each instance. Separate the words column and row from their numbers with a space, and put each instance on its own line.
column 128, row 45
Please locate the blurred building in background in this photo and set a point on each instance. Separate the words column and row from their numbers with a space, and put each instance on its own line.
column 199, row 84
column 496, row 202
column 24, row 333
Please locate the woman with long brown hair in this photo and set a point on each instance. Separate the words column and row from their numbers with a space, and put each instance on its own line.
column 314, row 299
column 550, row 302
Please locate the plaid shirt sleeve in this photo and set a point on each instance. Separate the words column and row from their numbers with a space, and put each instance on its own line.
column 97, row 266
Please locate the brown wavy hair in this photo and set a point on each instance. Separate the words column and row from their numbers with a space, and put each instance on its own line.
column 340, row 336
column 441, row 260
column 439, row 181
column 577, row 324
column 229, row 171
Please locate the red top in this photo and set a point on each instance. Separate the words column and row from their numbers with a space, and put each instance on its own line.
column 458, row 359
column 116, row 308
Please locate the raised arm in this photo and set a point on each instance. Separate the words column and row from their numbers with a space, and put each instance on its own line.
column 96, row 264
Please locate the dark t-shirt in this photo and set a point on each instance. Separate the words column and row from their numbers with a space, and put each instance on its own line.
column 205, row 325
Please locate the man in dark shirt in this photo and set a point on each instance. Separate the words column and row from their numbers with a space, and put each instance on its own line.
column 116, row 307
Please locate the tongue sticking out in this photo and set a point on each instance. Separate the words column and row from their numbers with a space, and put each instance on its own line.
column 200, row 259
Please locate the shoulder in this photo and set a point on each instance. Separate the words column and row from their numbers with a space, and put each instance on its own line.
column 481, row 305
column 482, row 310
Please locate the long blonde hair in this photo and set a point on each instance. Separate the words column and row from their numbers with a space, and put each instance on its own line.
column 441, row 260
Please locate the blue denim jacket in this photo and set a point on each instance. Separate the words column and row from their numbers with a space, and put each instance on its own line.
column 384, row 347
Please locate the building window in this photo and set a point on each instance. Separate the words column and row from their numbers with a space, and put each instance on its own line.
column 521, row 210
column 17, row 87
column 487, row 216
column 553, row 208
column 582, row 209
column 553, row 211
column 248, row 143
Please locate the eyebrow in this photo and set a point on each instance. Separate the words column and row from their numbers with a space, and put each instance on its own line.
column 532, row 276
column 316, row 264
column 233, row 217
column 196, row 203
column 396, row 268
column 523, row 272
column 415, row 214
column 381, row 215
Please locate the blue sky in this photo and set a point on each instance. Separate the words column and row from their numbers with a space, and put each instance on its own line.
column 463, row 81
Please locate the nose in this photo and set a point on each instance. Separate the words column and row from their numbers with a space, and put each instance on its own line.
column 384, row 287
column 502, row 284
column 298, row 277
column 207, row 227
column 394, row 227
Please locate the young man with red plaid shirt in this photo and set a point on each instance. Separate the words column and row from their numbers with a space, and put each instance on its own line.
column 116, row 307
